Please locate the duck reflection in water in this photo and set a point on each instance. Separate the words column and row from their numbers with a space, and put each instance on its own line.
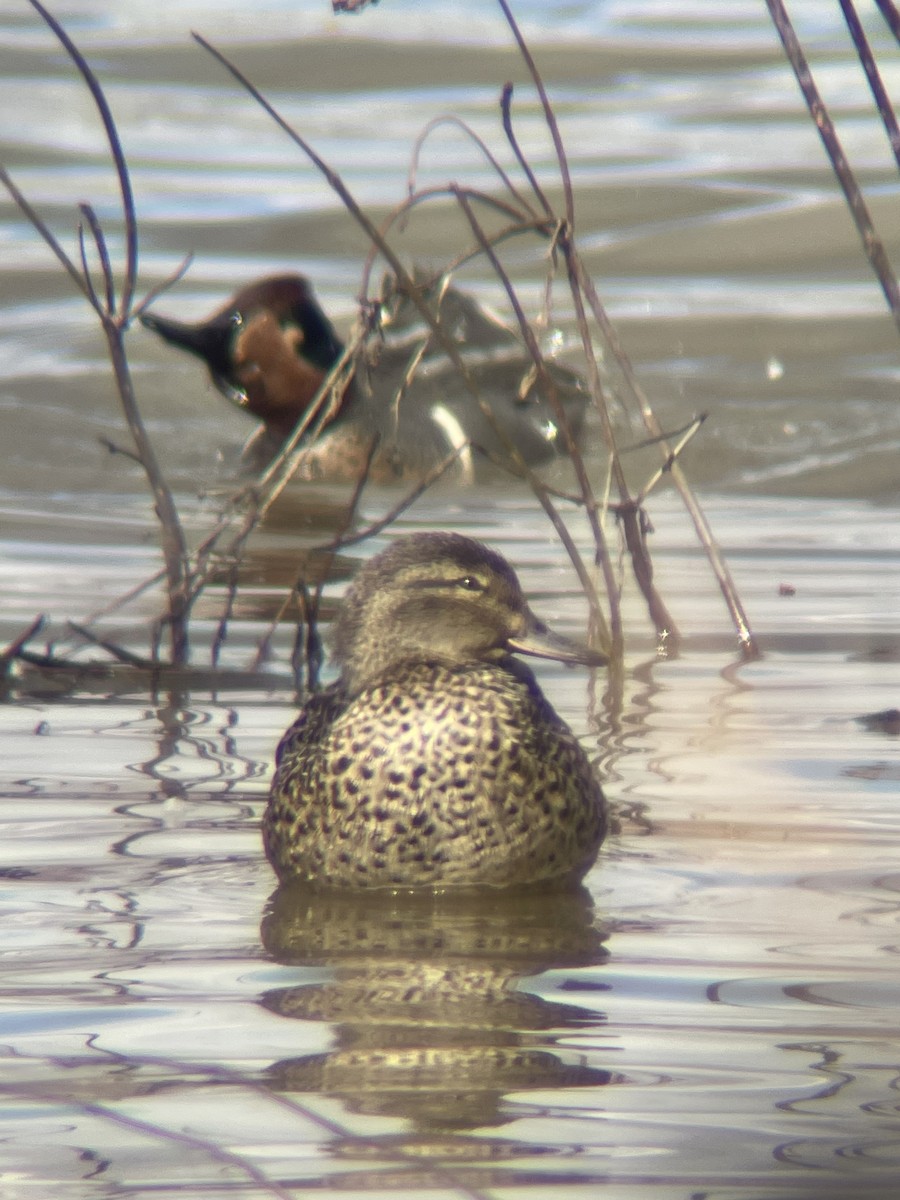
column 270, row 346
column 431, row 1020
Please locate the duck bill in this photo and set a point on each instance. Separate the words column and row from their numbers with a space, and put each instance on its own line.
column 541, row 642
column 209, row 341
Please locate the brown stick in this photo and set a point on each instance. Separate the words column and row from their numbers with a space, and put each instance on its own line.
column 872, row 244
column 114, row 319
column 876, row 86
column 891, row 14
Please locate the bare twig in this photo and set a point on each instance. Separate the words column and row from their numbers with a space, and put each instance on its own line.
column 522, row 222
column 872, row 244
column 746, row 639
column 114, row 319
column 505, row 103
column 876, row 85
column 549, row 115
column 40, row 226
column 11, row 651
column 114, row 448
column 427, row 481
column 436, row 123
column 109, row 282
column 687, row 435
column 564, row 241
column 117, row 652
column 603, row 558
column 155, row 292
column 891, row 14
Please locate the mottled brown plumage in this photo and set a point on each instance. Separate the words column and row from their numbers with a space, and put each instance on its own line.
column 435, row 760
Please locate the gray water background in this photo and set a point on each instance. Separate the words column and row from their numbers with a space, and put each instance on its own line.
column 718, row 1017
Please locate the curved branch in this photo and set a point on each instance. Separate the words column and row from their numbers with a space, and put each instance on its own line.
column 115, row 146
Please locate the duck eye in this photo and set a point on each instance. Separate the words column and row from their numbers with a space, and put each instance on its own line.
column 470, row 583
column 237, row 319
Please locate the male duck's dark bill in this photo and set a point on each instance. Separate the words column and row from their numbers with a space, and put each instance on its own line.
column 210, row 341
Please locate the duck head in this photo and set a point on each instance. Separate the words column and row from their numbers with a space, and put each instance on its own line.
column 440, row 597
column 268, row 348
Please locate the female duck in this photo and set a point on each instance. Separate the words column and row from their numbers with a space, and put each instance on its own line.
column 435, row 760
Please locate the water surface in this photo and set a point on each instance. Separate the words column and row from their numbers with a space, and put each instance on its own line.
column 715, row 1015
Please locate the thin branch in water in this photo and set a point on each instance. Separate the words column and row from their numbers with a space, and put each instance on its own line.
column 94, row 299
column 876, row 85
column 506, row 116
column 114, row 322
column 574, row 452
column 690, row 428
column 522, row 223
column 155, row 292
column 126, row 597
column 408, row 500
column 113, row 448
column 321, row 411
column 872, row 244
column 746, row 639
column 118, row 652
column 549, row 115
column 669, row 461
column 309, row 606
column 174, row 547
column 222, row 626
column 40, row 226
column 306, row 653
column 115, row 146
column 21, row 640
column 580, row 284
column 635, row 528
column 891, row 14
column 109, row 284
column 482, row 146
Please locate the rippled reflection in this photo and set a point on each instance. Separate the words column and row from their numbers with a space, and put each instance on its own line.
column 727, row 1029
column 433, row 1021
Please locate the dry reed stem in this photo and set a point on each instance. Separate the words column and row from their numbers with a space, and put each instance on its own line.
column 525, row 219
column 13, row 649
column 309, row 604
column 501, row 174
column 613, row 636
column 891, row 14
column 873, row 75
column 581, row 284
column 747, row 642
column 523, row 223
column 872, row 243
column 114, row 317
column 563, row 241
column 186, row 578
column 415, row 293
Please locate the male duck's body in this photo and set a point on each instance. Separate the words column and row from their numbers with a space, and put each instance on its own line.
column 270, row 347
column 435, row 760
